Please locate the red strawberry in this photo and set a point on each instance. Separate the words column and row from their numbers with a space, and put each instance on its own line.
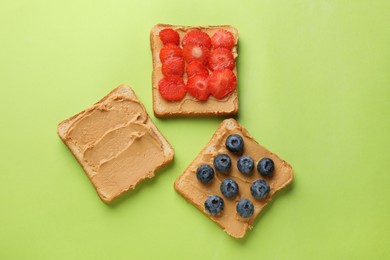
column 197, row 37
column 196, row 67
column 193, row 52
column 197, row 86
column 173, row 66
column 168, row 35
column 221, row 83
column 220, row 59
column 170, row 50
column 172, row 88
column 222, row 39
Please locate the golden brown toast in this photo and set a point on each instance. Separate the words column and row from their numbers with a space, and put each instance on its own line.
column 197, row 192
column 190, row 106
column 116, row 143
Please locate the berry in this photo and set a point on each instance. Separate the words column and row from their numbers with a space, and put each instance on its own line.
column 197, row 87
column 234, row 143
column 221, row 83
column 196, row 67
column 172, row 88
column 229, row 188
column 266, row 167
column 222, row 163
column 220, row 59
column 245, row 208
column 197, row 37
column 173, row 66
column 260, row 189
column 168, row 35
column 245, row 164
column 214, row 204
column 205, row 173
column 222, row 39
column 193, row 52
column 169, row 51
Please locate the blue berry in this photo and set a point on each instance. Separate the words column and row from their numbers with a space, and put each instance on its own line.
column 245, row 164
column 266, row 167
column 229, row 188
column 205, row 173
column 234, row 143
column 245, row 208
column 214, row 204
column 222, row 163
column 260, row 189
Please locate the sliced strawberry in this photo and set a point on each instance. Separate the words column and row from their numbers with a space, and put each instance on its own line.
column 173, row 66
column 193, row 52
column 169, row 51
column 168, row 35
column 222, row 39
column 220, row 59
column 197, row 37
column 196, row 67
column 221, row 83
column 172, row 88
column 197, row 86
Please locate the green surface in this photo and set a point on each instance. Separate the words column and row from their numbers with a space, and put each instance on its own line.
column 314, row 87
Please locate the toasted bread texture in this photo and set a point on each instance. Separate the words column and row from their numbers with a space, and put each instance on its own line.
column 190, row 106
column 116, row 143
column 196, row 192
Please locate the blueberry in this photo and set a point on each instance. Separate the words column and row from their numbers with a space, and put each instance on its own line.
column 260, row 189
column 222, row 163
column 229, row 188
column 205, row 173
column 245, row 208
column 214, row 204
column 265, row 167
column 235, row 143
column 245, row 164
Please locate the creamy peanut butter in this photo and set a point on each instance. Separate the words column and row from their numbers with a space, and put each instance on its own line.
column 190, row 105
column 116, row 144
column 197, row 192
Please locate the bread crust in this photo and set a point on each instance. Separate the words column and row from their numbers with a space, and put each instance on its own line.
column 189, row 106
column 126, row 91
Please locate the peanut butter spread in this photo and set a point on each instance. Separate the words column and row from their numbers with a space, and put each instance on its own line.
column 197, row 192
column 116, row 144
column 190, row 105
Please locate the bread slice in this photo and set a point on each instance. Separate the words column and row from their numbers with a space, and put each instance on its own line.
column 190, row 106
column 116, row 143
column 196, row 192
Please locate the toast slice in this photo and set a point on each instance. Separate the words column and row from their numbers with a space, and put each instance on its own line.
column 116, row 143
column 196, row 192
column 189, row 105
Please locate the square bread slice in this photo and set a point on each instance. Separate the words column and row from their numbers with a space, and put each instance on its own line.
column 197, row 192
column 190, row 106
column 116, row 143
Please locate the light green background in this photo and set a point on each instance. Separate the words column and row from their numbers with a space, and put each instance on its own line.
column 314, row 87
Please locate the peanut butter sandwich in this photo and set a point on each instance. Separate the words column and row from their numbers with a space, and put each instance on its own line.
column 116, row 143
column 194, row 70
column 233, row 178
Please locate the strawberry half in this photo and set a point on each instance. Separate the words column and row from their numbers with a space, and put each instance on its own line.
column 168, row 35
column 196, row 67
column 220, row 59
column 197, row 37
column 221, row 83
column 197, row 87
column 169, row 51
column 192, row 52
column 222, row 39
column 172, row 88
column 173, row 66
